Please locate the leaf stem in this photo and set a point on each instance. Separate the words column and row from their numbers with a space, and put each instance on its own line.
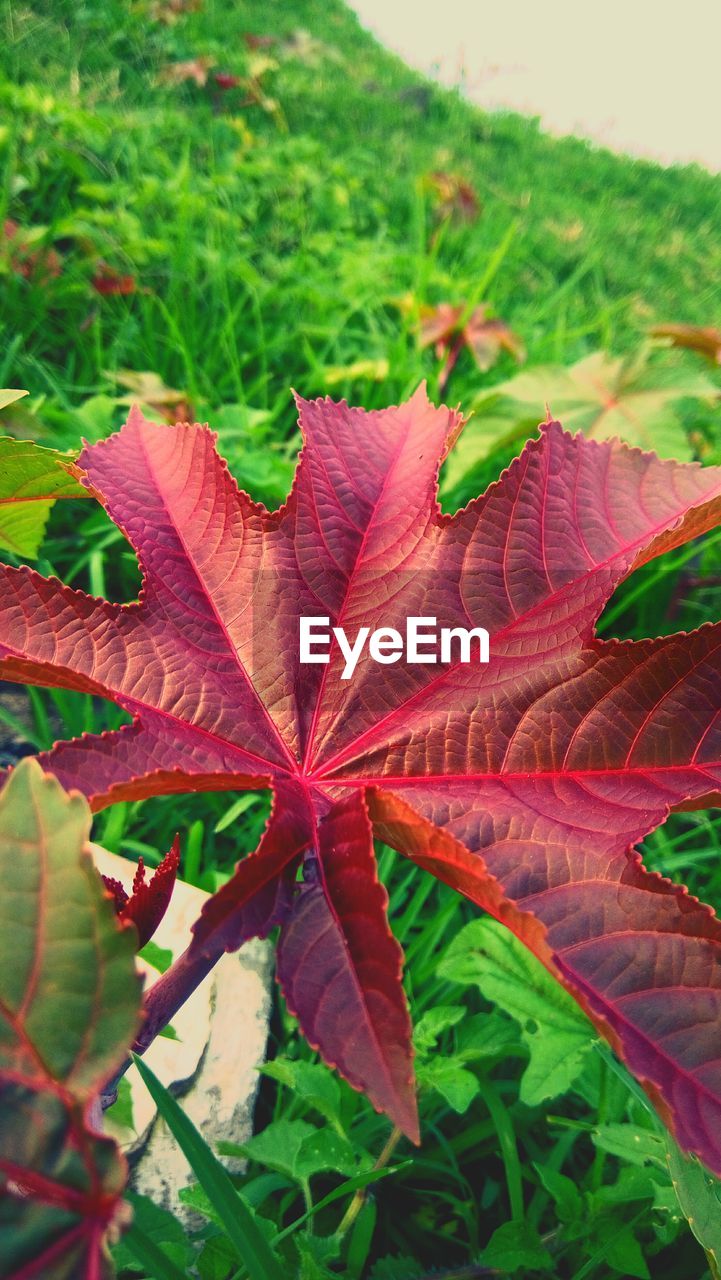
column 359, row 1198
column 163, row 1001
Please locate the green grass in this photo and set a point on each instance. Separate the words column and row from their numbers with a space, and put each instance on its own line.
column 271, row 245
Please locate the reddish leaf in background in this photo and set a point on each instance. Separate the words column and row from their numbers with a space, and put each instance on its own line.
column 171, row 11
column 524, row 783
column 445, row 328
column 704, row 340
column 225, row 80
column 170, row 405
column 107, row 281
column 253, row 41
column 195, row 70
column 454, row 196
column 27, row 257
column 148, row 901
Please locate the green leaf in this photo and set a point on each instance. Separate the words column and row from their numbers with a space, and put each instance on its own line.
column 563, row 1191
column 69, row 1007
column 625, row 1254
column 300, row 1150
column 143, row 1250
column 601, row 395
column 434, row 1022
column 699, row 1195
column 314, row 1253
column 250, row 1244
column 119, row 1117
column 453, row 1082
column 486, row 1035
column 31, row 479
column 556, row 1033
column 311, row 1081
column 159, row 1226
column 631, row 1143
column 217, row 1260
column 160, row 958
column 634, row 1183
column 396, row 1267
column 514, row 1247
column 155, row 1242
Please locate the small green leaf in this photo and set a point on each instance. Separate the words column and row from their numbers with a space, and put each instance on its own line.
column 515, row 1247
column 699, row 1195
column 31, row 479
column 311, row 1081
column 434, row 1022
column 156, row 1239
column 556, row 1033
column 251, row 1246
column 120, row 1115
column 141, row 1248
column 562, row 1190
column 631, row 1143
column 625, row 1254
column 453, row 1082
column 314, row 1253
column 160, row 958
column 300, row 1150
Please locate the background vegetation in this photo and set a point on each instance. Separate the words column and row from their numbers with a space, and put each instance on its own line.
column 201, row 205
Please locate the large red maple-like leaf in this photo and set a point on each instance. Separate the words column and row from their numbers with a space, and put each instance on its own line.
column 524, row 783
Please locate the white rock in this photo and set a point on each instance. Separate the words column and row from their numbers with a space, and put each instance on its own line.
column 222, row 1032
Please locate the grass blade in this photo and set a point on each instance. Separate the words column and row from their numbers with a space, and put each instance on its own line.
column 250, row 1244
column 152, row 1259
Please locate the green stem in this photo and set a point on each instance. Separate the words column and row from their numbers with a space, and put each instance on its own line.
column 359, row 1198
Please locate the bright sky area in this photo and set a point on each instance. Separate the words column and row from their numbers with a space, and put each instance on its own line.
column 642, row 76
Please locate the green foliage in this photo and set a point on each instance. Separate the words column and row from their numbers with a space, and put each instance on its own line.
column 699, row 1196
column 558, row 1037
column 252, row 1248
column 69, row 1006
column 636, row 398
column 31, row 480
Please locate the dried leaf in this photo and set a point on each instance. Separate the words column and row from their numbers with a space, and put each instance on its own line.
column 9, row 397
column 454, row 196
column 706, row 341
column 28, row 256
column 164, row 403
column 195, row 70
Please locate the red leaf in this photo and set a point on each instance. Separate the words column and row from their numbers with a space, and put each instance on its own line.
column 454, row 196
column 525, row 782
column 339, row 966
column 148, row 902
column 27, row 258
column 226, row 81
column 108, row 282
column 445, row 328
